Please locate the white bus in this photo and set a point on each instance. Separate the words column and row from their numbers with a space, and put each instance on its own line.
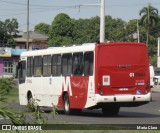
column 107, row 76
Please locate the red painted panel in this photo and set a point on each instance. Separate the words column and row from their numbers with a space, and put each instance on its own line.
column 79, row 87
column 124, row 63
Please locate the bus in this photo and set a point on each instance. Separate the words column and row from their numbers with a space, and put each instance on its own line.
column 103, row 76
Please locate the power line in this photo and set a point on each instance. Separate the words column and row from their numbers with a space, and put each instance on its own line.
column 12, row 2
column 32, row 5
column 120, row 5
column 44, row 10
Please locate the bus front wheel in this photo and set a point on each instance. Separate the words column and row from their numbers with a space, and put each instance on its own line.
column 30, row 98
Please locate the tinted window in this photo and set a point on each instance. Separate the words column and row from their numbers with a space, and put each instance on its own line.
column 29, row 66
column 88, row 63
column 56, row 65
column 37, row 66
column 21, row 71
column 46, row 65
column 66, row 64
column 77, row 64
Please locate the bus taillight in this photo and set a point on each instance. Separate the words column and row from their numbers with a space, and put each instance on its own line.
column 100, row 91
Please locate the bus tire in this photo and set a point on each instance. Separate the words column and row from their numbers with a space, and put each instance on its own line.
column 110, row 110
column 66, row 104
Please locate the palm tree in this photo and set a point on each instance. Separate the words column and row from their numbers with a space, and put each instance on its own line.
column 149, row 18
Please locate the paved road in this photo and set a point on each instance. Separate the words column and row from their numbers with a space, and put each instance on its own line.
column 145, row 114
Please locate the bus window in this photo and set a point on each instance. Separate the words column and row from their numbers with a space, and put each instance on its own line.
column 77, row 64
column 66, row 64
column 21, row 72
column 37, row 66
column 29, row 66
column 88, row 63
column 56, row 65
column 46, row 65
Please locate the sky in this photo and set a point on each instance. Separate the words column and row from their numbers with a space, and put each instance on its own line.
column 46, row 10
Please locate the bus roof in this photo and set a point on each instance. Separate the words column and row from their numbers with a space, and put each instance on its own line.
column 59, row 50
column 71, row 49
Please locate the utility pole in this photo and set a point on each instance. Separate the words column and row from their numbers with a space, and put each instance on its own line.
column 102, row 18
column 27, row 42
column 138, row 32
column 158, row 52
column 102, row 22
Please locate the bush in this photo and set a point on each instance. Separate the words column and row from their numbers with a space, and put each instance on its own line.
column 6, row 85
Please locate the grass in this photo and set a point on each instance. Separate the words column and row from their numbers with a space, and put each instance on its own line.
column 13, row 95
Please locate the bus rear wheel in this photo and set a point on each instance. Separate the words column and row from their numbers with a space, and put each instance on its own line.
column 66, row 102
column 110, row 110
column 67, row 109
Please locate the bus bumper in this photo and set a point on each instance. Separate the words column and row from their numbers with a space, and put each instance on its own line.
column 123, row 98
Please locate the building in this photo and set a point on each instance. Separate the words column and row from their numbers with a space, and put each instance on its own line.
column 9, row 57
column 36, row 41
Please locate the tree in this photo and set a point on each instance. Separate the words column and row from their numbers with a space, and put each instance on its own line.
column 61, row 29
column 131, row 28
column 149, row 18
column 115, row 29
column 8, row 29
column 61, row 41
column 86, row 30
column 42, row 28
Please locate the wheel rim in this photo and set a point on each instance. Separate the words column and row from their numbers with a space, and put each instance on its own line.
column 66, row 105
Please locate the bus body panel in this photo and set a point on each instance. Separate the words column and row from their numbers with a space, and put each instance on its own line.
column 48, row 91
column 23, row 94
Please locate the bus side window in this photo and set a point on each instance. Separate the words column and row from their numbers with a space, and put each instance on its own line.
column 56, row 65
column 37, row 66
column 77, row 64
column 66, row 64
column 88, row 63
column 29, row 66
column 47, row 65
column 21, row 71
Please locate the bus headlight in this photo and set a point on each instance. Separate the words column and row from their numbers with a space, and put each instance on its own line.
column 145, row 91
